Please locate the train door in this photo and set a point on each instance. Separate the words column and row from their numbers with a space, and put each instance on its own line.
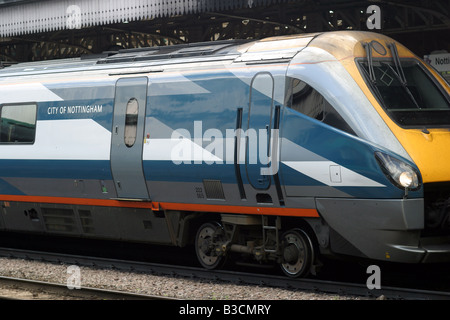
column 127, row 138
column 259, row 130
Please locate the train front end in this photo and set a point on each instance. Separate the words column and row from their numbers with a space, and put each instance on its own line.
column 397, row 110
column 414, row 102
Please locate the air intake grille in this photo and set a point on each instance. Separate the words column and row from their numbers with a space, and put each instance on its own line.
column 213, row 189
column 59, row 220
column 87, row 222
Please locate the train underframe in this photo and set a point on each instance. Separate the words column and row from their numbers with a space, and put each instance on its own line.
column 346, row 227
column 216, row 237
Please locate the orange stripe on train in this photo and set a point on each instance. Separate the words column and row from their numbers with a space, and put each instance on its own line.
column 298, row 212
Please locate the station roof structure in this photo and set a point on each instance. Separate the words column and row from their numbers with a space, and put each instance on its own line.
column 33, row 30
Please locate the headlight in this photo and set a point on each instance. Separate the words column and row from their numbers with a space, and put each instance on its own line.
column 400, row 173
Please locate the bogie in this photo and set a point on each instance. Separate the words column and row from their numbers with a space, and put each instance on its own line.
column 254, row 238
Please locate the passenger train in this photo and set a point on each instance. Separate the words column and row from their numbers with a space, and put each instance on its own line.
column 282, row 150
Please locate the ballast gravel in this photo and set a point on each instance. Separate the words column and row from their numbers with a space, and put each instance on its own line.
column 166, row 286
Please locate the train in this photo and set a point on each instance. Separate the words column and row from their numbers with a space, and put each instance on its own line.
column 283, row 150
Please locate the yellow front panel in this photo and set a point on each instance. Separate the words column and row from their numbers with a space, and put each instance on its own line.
column 430, row 152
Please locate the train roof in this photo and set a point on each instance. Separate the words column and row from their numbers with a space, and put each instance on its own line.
column 271, row 49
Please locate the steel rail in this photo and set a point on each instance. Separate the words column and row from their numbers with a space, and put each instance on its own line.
column 315, row 285
column 19, row 285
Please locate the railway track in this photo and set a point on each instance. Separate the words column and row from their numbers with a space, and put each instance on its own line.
column 315, row 285
column 25, row 289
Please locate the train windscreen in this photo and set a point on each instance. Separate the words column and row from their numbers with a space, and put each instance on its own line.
column 407, row 92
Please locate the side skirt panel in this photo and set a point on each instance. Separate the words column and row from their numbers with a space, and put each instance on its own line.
column 118, row 223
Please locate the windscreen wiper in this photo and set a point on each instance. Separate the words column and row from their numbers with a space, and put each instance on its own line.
column 368, row 48
column 370, row 74
column 411, row 96
column 397, row 63
column 400, row 74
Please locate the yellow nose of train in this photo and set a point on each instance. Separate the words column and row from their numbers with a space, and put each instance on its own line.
column 430, row 150
column 428, row 147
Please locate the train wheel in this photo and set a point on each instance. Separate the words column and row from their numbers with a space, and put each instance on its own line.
column 297, row 253
column 209, row 236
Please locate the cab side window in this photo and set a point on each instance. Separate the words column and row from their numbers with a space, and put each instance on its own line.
column 307, row 100
column 17, row 123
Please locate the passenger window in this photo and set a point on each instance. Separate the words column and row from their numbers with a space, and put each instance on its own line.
column 131, row 119
column 18, row 123
column 310, row 102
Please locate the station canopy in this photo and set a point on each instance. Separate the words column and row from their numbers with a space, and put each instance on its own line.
column 18, row 17
column 32, row 30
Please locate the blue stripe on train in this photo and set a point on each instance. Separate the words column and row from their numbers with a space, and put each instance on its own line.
column 56, row 169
